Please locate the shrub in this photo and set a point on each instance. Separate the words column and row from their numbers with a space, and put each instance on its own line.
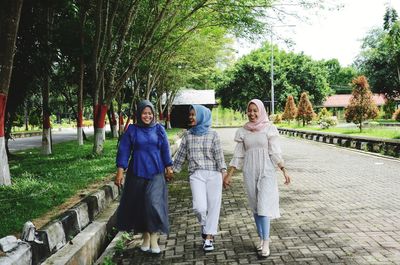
column 327, row 121
column 87, row 123
column 276, row 118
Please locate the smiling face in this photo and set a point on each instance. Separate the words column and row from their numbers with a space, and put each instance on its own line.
column 147, row 115
column 192, row 118
column 252, row 112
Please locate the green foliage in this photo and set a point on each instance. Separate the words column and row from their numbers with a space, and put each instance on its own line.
column 339, row 78
column 250, row 78
column 108, row 261
column 324, row 113
column 380, row 57
column 227, row 117
column 388, row 109
column 325, row 119
column 361, row 107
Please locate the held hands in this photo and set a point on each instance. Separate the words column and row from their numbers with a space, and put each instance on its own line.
column 227, row 179
column 169, row 174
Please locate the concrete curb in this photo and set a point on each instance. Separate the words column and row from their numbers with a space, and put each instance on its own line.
column 389, row 147
column 69, row 227
column 89, row 243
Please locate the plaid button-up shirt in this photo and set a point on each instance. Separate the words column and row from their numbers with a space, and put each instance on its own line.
column 202, row 152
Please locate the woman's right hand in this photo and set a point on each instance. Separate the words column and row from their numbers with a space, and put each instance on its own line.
column 119, row 177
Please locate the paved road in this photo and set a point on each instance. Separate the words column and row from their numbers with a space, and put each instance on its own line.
column 66, row 134
column 343, row 207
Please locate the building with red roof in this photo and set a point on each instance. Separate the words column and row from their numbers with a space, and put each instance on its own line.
column 337, row 103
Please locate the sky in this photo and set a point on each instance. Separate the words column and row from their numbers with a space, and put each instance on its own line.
column 331, row 34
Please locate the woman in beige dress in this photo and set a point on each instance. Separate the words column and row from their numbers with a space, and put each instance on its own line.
column 258, row 153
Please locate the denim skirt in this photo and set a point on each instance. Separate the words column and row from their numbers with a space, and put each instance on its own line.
column 144, row 205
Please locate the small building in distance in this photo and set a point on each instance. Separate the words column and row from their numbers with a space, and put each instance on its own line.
column 183, row 100
column 337, row 103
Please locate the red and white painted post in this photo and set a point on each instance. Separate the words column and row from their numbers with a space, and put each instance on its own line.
column 5, row 178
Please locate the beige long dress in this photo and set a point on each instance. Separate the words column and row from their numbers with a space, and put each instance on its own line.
column 257, row 154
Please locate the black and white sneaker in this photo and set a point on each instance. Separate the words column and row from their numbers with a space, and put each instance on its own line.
column 208, row 245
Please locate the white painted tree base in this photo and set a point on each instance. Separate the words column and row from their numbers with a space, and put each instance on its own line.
column 46, row 142
column 5, row 178
column 80, row 135
column 98, row 140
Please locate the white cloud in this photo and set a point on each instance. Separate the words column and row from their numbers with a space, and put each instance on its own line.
column 334, row 34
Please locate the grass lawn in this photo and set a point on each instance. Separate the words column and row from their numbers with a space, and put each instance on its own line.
column 44, row 186
column 389, row 132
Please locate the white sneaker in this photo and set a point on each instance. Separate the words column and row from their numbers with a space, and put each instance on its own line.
column 208, row 245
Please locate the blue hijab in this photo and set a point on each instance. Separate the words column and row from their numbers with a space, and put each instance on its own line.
column 141, row 106
column 203, row 120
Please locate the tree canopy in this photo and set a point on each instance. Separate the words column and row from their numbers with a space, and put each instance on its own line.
column 380, row 56
column 294, row 73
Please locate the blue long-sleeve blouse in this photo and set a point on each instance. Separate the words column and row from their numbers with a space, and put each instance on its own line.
column 144, row 151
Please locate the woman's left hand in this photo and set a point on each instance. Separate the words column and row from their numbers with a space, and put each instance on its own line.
column 169, row 174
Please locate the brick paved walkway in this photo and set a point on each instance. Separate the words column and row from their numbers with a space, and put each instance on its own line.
column 343, row 207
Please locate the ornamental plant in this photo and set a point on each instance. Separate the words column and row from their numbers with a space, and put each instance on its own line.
column 361, row 107
column 305, row 111
column 290, row 109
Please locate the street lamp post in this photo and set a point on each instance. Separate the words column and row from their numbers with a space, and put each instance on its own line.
column 272, row 74
column 272, row 67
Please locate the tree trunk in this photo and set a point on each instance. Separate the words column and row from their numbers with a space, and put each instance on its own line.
column 79, row 120
column 46, row 135
column 100, row 112
column 9, row 21
column 5, row 178
column 120, row 123
column 113, row 121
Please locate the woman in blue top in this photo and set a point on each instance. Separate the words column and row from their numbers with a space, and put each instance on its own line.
column 144, row 152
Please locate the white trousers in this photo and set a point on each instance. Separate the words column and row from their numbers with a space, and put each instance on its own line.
column 206, row 188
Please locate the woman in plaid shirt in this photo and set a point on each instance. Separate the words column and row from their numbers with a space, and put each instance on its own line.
column 201, row 147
